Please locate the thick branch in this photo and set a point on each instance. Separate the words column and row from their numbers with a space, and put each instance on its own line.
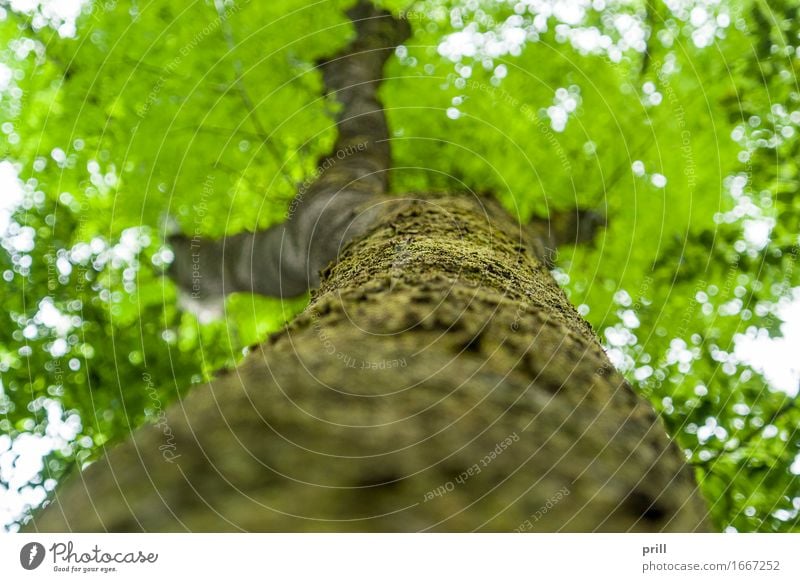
column 439, row 380
column 286, row 259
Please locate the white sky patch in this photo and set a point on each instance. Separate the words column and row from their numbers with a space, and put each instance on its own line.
column 652, row 98
column 707, row 18
column 795, row 468
column 508, row 39
column 22, row 240
column 571, row 11
column 59, row 14
column 658, row 180
column 776, row 358
column 632, row 31
column 11, row 194
column 629, row 319
column 589, row 40
column 681, row 355
column 756, row 227
column 757, row 232
column 22, row 459
column 22, row 462
column 565, row 103
column 535, row 17
column 49, row 316
column 711, row 429
column 6, row 75
column 621, row 31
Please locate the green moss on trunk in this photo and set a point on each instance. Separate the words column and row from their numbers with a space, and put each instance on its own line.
column 439, row 380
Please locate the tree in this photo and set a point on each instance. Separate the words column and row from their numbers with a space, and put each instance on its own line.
column 454, row 385
column 439, row 378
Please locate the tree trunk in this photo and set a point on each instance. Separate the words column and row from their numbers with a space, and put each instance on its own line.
column 439, row 380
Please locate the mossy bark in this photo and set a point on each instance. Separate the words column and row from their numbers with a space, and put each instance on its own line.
column 439, row 380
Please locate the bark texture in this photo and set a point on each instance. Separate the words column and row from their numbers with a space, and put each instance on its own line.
column 439, row 380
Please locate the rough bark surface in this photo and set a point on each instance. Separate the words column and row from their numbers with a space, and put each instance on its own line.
column 439, row 380
column 437, row 340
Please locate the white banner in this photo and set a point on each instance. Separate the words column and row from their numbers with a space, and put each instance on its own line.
column 400, row 557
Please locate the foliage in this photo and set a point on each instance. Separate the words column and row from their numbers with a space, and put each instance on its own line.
column 678, row 121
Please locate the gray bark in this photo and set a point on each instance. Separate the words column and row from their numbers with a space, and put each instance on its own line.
column 285, row 260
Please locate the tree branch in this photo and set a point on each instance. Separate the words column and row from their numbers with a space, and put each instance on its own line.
column 285, row 260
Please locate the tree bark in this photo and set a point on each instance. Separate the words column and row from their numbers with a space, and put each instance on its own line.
column 439, row 380
column 436, row 341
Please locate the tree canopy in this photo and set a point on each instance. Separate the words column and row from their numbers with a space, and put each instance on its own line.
column 677, row 121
